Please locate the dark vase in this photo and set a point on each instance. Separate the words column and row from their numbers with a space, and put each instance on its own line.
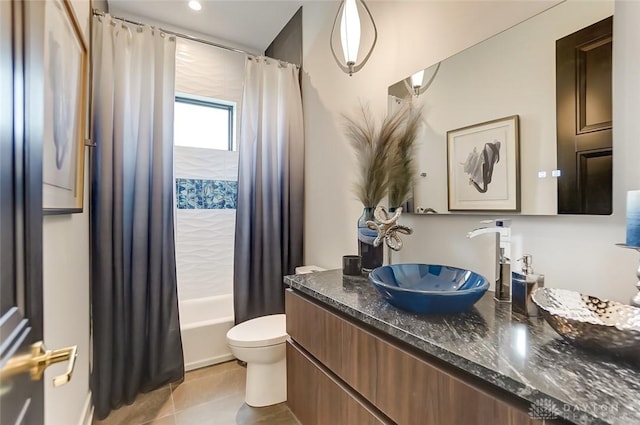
column 371, row 255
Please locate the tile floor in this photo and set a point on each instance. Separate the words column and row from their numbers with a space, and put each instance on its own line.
column 209, row 396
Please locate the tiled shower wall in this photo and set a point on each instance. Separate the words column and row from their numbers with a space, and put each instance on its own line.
column 204, row 236
column 206, row 179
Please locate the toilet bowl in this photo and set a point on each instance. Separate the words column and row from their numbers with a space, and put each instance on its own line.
column 261, row 343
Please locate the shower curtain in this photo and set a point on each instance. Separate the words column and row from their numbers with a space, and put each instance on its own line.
column 136, row 332
column 269, row 216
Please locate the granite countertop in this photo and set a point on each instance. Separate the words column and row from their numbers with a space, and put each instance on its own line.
column 522, row 356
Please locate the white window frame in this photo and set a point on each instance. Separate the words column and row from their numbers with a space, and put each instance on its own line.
column 213, row 103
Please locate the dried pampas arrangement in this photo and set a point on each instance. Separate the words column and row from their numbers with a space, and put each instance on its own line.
column 385, row 155
column 402, row 166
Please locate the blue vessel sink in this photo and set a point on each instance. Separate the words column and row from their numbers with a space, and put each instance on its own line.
column 429, row 288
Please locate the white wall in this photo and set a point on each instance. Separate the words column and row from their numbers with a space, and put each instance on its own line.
column 573, row 252
column 66, row 311
column 66, row 295
column 205, row 237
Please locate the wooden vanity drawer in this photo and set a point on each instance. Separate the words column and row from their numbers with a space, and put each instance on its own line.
column 317, row 399
column 408, row 389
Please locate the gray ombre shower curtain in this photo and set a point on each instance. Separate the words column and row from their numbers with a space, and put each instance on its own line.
column 134, row 304
column 269, row 216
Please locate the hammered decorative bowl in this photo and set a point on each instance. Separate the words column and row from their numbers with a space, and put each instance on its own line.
column 591, row 322
column 429, row 288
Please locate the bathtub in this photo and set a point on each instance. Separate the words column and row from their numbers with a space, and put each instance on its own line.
column 204, row 323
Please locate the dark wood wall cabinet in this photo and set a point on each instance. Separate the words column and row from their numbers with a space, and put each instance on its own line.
column 584, row 69
column 339, row 372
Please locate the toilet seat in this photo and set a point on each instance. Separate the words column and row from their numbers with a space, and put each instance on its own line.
column 259, row 332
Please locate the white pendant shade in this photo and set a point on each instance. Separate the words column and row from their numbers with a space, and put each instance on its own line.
column 417, row 79
column 351, row 28
column 350, row 31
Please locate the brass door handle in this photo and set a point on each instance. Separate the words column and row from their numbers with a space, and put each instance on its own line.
column 38, row 360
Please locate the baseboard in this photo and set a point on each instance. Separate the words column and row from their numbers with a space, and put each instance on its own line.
column 208, row 361
column 86, row 418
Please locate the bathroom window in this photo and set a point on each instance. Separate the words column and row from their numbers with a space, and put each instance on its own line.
column 203, row 123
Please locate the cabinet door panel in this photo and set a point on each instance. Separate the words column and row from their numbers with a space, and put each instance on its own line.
column 316, row 399
column 319, row 333
column 584, row 119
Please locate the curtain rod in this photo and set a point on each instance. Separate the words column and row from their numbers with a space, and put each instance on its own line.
column 99, row 12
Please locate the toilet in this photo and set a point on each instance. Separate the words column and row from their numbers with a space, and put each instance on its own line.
column 260, row 342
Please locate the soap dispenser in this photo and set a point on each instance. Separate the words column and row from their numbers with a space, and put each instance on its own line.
column 522, row 286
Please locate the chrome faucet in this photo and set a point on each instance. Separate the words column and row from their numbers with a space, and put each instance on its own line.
column 503, row 263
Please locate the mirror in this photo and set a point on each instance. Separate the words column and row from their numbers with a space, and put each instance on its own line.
column 510, row 74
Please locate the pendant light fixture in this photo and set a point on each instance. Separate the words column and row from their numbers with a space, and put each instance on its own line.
column 348, row 18
column 416, row 84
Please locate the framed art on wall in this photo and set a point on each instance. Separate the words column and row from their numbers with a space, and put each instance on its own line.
column 65, row 92
column 483, row 166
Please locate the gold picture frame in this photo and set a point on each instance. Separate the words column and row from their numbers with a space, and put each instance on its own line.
column 65, row 65
column 483, row 166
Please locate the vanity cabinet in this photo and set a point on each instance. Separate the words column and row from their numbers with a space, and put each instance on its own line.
column 357, row 376
column 317, row 398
